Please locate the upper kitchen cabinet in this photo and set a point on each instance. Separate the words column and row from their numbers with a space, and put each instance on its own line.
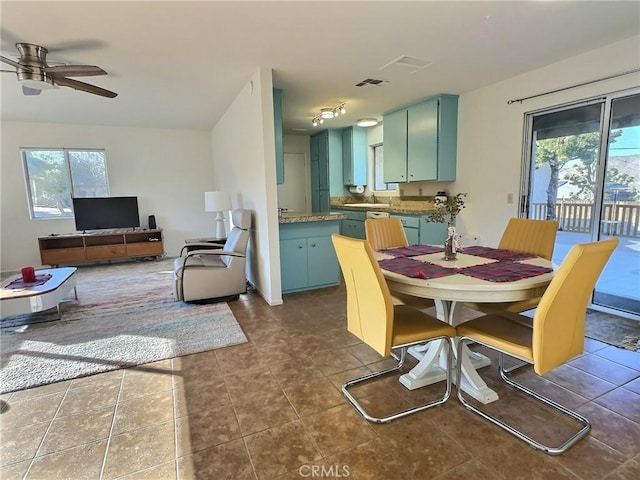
column 354, row 156
column 326, row 168
column 277, row 127
column 420, row 141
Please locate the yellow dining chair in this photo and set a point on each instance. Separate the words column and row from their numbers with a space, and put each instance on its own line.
column 384, row 233
column 525, row 235
column 557, row 334
column 374, row 319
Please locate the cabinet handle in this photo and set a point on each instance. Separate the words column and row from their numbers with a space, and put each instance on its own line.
column 299, row 246
column 313, row 245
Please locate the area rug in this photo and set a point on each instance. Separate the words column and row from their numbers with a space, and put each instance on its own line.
column 125, row 315
column 613, row 330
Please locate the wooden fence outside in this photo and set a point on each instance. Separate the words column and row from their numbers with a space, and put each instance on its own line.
column 620, row 218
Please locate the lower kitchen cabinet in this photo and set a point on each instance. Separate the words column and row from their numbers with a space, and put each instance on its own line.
column 307, row 257
column 411, row 226
column 432, row 233
column 353, row 228
column 353, row 225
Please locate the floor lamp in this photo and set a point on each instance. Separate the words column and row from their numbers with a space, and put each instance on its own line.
column 218, row 202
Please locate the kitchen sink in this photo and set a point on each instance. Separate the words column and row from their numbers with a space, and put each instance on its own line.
column 368, row 205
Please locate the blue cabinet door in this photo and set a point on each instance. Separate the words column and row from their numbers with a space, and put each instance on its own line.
column 277, row 126
column 354, row 156
column 394, row 137
column 411, row 225
column 432, row 233
column 413, row 235
column 293, row 263
column 422, row 141
column 315, row 190
column 324, row 201
column 353, row 228
column 323, row 161
column 322, row 262
column 447, row 137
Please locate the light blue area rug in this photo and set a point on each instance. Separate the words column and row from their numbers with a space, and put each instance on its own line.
column 125, row 315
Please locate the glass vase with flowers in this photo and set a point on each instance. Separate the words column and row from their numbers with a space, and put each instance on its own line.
column 446, row 211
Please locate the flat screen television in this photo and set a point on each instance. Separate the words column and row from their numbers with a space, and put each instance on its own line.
column 96, row 213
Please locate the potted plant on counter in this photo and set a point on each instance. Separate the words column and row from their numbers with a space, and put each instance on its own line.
column 446, row 212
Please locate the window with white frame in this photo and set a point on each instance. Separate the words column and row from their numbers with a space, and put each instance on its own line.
column 55, row 176
column 378, row 169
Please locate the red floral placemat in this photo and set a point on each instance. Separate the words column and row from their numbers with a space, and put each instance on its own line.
column 40, row 280
column 410, row 267
column 496, row 253
column 412, row 250
column 504, row 271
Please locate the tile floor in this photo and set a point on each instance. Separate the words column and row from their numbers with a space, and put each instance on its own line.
column 272, row 409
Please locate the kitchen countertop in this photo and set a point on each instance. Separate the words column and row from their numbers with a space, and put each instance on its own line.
column 400, row 209
column 298, row 217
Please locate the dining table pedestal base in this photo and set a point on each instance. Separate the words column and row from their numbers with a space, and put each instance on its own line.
column 432, row 369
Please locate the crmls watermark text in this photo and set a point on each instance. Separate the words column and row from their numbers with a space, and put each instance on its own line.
column 327, row 471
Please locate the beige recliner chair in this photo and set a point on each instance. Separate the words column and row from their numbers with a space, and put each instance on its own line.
column 208, row 273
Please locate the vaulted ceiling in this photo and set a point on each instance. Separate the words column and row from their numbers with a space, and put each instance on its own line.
column 179, row 64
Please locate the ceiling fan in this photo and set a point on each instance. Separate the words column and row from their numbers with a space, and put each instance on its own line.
column 35, row 74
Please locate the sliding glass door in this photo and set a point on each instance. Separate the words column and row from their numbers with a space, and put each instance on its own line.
column 583, row 170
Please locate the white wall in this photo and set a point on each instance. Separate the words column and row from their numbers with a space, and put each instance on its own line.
column 243, row 150
column 168, row 170
column 300, row 144
column 490, row 132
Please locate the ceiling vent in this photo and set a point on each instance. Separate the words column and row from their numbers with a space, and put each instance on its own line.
column 369, row 81
column 416, row 64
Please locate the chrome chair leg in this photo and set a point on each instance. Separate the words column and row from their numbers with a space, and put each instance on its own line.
column 398, row 366
column 586, row 426
column 515, row 367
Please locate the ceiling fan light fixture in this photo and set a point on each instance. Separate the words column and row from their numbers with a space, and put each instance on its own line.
column 37, row 80
column 35, row 74
column 367, row 122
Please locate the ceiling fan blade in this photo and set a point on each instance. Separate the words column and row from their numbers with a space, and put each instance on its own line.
column 15, row 64
column 85, row 87
column 74, row 70
column 30, row 91
column 86, row 44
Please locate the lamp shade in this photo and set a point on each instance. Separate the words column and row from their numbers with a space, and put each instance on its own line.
column 217, row 202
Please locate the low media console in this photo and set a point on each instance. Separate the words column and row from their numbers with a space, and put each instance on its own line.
column 91, row 247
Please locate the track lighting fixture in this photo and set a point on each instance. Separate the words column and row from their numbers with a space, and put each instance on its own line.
column 326, row 113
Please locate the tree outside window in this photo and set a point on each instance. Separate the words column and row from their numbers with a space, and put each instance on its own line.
column 55, row 176
column 577, row 156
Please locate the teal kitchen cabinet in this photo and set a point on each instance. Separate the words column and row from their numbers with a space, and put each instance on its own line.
column 326, row 168
column 411, row 224
column 432, row 233
column 307, row 257
column 420, row 141
column 394, row 139
column 353, row 225
column 353, row 228
column 277, row 126
column 354, row 156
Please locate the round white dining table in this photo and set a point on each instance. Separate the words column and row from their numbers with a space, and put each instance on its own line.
column 448, row 291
